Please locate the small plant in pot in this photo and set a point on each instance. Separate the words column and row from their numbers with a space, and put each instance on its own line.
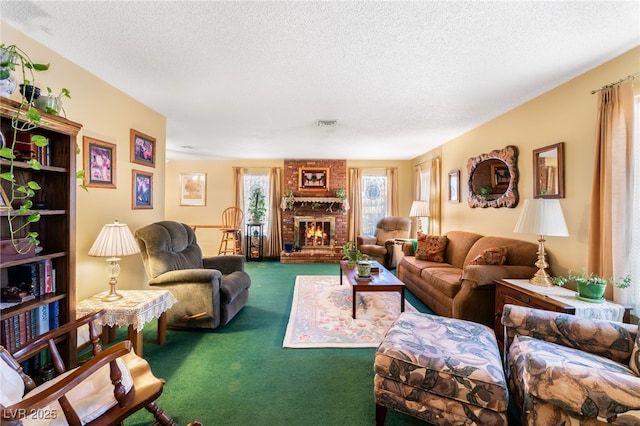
column 257, row 208
column 351, row 253
column 52, row 104
column 591, row 287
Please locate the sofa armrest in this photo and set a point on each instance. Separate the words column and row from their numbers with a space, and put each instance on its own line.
column 225, row 264
column 486, row 274
column 613, row 340
column 205, row 276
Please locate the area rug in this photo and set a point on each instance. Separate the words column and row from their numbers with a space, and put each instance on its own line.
column 321, row 314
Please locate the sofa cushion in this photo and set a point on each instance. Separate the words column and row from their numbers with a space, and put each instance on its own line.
column 446, row 280
column 455, row 359
column 431, row 247
column 520, row 252
column 634, row 361
column 415, row 266
column 491, row 256
column 460, row 242
column 581, row 382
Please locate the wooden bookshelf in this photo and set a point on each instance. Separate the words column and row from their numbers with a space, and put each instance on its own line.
column 56, row 227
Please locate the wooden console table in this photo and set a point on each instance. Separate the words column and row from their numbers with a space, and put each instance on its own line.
column 522, row 293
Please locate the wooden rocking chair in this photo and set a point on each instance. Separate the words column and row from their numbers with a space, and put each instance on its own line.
column 105, row 390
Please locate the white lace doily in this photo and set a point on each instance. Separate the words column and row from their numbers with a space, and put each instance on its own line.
column 606, row 310
column 136, row 307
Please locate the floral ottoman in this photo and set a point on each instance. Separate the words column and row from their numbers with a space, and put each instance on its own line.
column 441, row 370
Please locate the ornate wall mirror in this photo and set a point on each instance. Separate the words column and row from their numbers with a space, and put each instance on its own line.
column 493, row 179
column 548, row 169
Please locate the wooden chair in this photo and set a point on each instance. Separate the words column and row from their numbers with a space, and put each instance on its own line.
column 125, row 380
column 231, row 242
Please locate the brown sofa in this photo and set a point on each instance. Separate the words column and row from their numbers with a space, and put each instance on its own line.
column 456, row 289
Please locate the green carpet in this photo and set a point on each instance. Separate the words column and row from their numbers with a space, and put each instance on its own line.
column 241, row 375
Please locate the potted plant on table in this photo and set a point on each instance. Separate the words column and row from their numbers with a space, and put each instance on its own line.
column 591, row 287
column 351, row 254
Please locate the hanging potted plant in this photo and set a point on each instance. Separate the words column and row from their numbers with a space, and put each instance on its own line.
column 52, row 104
column 20, row 194
column 591, row 287
column 257, row 208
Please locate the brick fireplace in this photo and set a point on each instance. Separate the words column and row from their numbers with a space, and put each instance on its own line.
column 317, row 224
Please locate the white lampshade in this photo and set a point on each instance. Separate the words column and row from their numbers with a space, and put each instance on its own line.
column 420, row 209
column 114, row 240
column 542, row 216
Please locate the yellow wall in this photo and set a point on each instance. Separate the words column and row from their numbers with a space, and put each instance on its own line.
column 106, row 114
column 220, row 194
column 566, row 113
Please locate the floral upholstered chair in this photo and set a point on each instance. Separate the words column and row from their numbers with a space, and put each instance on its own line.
column 566, row 370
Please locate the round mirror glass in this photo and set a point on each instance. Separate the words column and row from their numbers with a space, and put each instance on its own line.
column 493, row 179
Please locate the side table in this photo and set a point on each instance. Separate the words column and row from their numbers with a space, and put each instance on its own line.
column 136, row 308
column 559, row 299
column 254, row 241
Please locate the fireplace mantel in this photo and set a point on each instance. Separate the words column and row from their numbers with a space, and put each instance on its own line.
column 285, row 205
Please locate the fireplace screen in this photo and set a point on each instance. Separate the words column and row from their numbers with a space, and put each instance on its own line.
column 314, row 232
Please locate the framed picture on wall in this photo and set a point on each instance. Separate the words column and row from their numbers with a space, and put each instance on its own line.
column 143, row 149
column 313, row 178
column 99, row 163
column 193, row 189
column 454, row 186
column 142, row 191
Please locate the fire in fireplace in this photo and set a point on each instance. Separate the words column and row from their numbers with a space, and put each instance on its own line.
column 314, row 232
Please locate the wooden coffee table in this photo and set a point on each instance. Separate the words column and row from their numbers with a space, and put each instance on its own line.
column 381, row 281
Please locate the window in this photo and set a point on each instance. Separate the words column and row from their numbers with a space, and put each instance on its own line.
column 425, row 184
column 253, row 181
column 374, row 201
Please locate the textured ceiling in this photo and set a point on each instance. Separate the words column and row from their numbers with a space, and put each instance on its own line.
column 250, row 80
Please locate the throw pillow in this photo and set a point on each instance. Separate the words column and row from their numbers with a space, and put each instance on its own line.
column 491, row 256
column 431, row 247
column 634, row 362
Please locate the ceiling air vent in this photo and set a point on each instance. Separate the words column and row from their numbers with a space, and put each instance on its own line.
column 327, row 123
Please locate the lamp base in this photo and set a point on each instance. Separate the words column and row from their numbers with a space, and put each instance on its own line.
column 541, row 278
column 112, row 296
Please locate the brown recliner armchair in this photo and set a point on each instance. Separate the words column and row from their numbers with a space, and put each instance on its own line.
column 380, row 246
column 210, row 291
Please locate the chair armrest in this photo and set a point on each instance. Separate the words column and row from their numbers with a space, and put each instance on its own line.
column 610, row 339
column 205, row 276
column 365, row 239
column 479, row 275
column 407, row 248
column 225, row 264
column 41, row 342
column 71, row 380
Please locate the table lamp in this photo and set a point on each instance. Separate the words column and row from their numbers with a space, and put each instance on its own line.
column 419, row 209
column 542, row 216
column 114, row 240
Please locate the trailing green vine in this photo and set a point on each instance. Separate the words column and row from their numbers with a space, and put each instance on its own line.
column 25, row 119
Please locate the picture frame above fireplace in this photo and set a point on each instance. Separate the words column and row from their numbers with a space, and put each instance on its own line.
column 313, row 179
